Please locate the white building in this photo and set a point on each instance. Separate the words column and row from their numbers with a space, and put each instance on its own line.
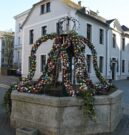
column 125, row 52
column 19, row 19
column 6, row 50
column 118, row 49
column 108, row 37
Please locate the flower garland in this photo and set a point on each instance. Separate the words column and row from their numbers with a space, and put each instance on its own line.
column 94, row 54
column 59, row 51
column 32, row 58
column 50, row 74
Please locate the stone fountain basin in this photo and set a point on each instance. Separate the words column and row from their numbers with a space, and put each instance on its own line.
column 63, row 116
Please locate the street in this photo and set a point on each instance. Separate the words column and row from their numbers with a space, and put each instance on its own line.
column 5, row 128
column 122, row 129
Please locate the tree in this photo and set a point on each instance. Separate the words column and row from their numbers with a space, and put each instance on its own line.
column 8, row 38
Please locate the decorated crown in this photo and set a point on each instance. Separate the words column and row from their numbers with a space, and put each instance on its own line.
column 67, row 24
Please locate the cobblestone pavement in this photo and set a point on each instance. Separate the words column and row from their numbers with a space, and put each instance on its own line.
column 7, row 80
column 5, row 128
column 122, row 129
column 123, row 85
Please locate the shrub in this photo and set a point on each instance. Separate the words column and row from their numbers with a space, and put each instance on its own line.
column 7, row 99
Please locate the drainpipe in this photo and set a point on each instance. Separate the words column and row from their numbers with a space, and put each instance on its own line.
column 106, row 60
column 120, row 58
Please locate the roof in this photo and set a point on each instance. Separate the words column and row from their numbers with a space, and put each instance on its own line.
column 21, row 14
column 124, row 28
column 110, row 21
column 94, row 17
column 67, row 2
column 2, row 33
column 72, row 4
column 31, row 11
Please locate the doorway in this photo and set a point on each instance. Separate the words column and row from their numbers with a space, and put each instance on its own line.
column 113, row 71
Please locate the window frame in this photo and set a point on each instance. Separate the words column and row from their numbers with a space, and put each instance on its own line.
column 42, row 9
column 128, row 66
column 31, row 36
column 101, row 36
column 88, row 60
column 59, row 27
column 89, row 32
column 114, row 40
column 19, row 41
column 48, row 7
column 123, row 44
column 123, row 66
column 42, row 66
column 45, row 8
column 19, row 27
column 3, row 51
column 101, row 63
column 43, row 30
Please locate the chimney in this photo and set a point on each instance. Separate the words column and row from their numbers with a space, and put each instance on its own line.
column 79, row 3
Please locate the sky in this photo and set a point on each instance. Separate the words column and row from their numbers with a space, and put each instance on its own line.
column 109, row 9
column 9, row 9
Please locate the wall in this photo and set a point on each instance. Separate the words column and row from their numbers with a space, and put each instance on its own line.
column 19, row 19
column 117, row 52
column 125, row 56
column 100, row 48
column 63, row 116
column 58, row 10
column 49, row 19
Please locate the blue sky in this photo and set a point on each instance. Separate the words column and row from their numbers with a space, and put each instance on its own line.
column 107, row 8
column 10, row 8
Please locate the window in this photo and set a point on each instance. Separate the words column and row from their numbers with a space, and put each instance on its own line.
column 44, row 30
column 3, row 43
column 43, row 62
column 19, row 41
column 48, row 7
column 117, row 66
column 89, row 63
column 45, row 8
column 123, row 66
column 128, row 66
column 31, row 34
column 101, row 36
column 59, row 27
column 89, row 32
column 3, row 51
column 114, row 40
column 101, row 64
column 19, row 27
column 18, row 56
column 42, row 9
column 123, row 44
column 2, row 60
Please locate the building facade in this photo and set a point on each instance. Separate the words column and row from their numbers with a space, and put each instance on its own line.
column 111, row 41
column 6, row 50
column 19, row 19
column 118, row 47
